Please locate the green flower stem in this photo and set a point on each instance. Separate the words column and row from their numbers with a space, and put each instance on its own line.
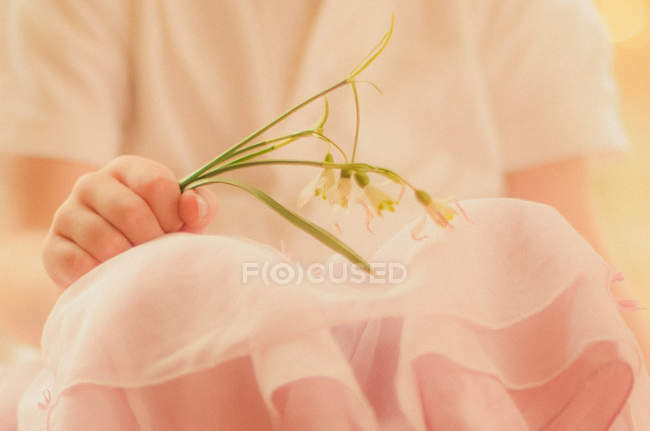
column 357, row 167
column 287, row 139
column 228, row 153
column 326, row 115
column 239, row 161
column 322, row 137
column 312, row 229
column 353, row 84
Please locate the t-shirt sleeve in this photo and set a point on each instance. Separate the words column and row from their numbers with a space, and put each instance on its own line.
column 63, row 81
column 549, row 76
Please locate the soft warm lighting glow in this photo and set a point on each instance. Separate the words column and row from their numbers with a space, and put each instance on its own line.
column 626, row 20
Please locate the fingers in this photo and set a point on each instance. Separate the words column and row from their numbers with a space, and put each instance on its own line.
column 90, row 232
column 154, row 183
column 130, row 201
column 197, row 208
column 120, row 206
column 65, row 261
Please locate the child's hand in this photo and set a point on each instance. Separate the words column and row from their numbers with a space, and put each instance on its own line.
column 130, row 201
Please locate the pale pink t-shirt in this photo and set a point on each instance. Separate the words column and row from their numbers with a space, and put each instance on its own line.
column 471, row 90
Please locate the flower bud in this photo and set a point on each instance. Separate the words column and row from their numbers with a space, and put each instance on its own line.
column 362, row 179
column 423, row 197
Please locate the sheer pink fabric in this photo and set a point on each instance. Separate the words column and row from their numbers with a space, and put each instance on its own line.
column 502, row 323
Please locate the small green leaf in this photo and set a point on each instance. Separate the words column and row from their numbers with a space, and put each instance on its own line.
column 312, row 229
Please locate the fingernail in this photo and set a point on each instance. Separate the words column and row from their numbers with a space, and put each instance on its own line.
column 203, row 206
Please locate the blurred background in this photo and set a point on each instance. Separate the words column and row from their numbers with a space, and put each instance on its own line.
column 620, row 186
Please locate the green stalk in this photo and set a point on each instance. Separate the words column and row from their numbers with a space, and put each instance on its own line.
column 357, row 167
column 312, row 229
column 357, row 118
column 288, row 139
column 240, row 161
column 267, row 142
column 228, row 153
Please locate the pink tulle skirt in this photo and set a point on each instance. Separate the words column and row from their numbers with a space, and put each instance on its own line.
column 503, row 323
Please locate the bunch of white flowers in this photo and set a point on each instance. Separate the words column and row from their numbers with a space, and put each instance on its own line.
column 340, row 183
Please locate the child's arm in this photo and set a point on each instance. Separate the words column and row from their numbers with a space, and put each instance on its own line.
column 564, row 185
column 100, row 213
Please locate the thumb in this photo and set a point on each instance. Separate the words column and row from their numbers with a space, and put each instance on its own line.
column 197, row 208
